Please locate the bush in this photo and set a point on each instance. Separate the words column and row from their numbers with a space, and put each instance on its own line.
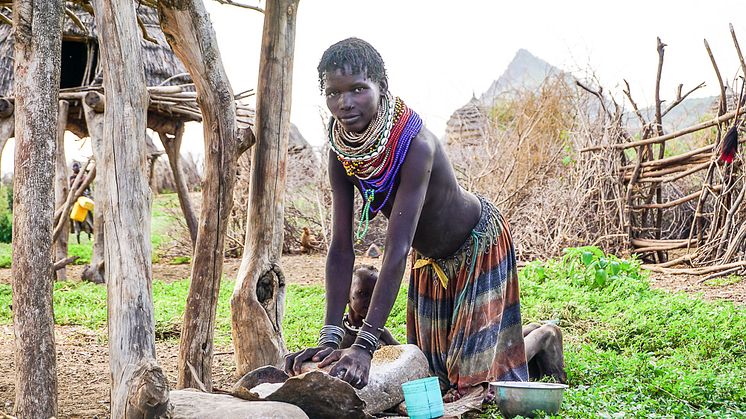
column 6, row 213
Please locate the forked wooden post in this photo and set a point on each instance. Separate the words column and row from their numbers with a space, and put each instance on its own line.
column 188, row 30
column 38, row 38
column 258, row 301
column 138, row 386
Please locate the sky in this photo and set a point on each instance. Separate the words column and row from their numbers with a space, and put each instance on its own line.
column 439, row 53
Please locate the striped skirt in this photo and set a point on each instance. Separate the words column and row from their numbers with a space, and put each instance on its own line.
column 464, row 311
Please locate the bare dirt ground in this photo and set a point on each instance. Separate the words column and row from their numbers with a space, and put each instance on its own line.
column 82, row 354
column 694, row 285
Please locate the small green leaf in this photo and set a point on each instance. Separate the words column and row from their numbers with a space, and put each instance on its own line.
column 601, row 277
column 615, row 268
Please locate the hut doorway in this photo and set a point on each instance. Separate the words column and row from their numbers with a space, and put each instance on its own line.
column 79, row 60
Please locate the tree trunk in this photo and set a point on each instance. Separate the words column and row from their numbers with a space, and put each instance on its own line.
column 173, row 148
column 61, row 187
column 95, row 122
column 38, row 38
column 258, row 301
column 124, row 198
column 188, row 30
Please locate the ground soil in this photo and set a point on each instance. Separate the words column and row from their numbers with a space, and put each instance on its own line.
column 82, row 354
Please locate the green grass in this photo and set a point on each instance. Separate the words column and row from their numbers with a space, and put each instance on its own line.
column 161, row 221
column 631, row 351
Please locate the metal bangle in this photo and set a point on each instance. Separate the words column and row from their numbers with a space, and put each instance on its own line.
column 365, row 322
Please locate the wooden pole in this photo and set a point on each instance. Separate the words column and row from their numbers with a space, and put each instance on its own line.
column 61, row 187
column 173, row 148
column 38, row 41
column 258, row 301
column 188, row 30
column 95, row 271
column 138, row 386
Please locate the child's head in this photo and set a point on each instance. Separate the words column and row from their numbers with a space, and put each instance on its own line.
column 364, row 279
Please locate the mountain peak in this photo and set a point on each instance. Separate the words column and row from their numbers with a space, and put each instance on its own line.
column 525, row 72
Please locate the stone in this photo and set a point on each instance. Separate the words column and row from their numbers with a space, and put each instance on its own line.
column 373, row 251
column 323, row 396
column 194, row 404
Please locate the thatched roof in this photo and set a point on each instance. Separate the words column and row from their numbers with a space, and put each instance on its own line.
column 468, row 125
column 160, row 62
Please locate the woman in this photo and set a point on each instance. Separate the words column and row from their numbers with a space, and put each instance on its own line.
column 463, row 309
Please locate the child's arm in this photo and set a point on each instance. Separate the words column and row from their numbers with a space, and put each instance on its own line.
column 387, row 338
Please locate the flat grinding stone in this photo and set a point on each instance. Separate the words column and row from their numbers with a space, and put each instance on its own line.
column 193, row 404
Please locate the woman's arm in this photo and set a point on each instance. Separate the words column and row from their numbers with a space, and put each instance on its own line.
column 353, row 364
column 339, row 263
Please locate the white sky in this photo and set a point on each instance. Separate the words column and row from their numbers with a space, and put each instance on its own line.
column 438, row 53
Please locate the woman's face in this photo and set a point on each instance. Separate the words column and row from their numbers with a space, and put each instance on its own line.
column 352, row 98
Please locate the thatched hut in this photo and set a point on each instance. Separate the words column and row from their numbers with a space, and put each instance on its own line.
column 468, row 125
column 80, row 70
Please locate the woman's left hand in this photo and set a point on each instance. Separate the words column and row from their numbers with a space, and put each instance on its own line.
column 352, row 365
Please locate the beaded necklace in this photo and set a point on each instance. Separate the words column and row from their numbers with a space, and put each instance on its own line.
column 375, row 156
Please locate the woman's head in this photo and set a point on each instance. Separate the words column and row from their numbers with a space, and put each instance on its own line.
column 352, row 76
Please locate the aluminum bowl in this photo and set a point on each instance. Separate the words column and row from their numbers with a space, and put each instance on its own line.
column 515, row 398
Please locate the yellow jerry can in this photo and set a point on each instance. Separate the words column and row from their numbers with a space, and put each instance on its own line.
column 78, row 213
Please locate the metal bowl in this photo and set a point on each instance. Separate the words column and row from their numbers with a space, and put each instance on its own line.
column 515, row 398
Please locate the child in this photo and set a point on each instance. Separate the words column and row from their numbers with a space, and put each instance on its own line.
column 363, row 281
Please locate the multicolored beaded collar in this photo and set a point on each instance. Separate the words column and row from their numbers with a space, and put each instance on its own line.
column 375, row 156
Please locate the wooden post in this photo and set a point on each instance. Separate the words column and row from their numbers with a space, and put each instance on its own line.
column 188, row 30
column 124, row 198
column 61, row 187
column 95, row 122
column 38, row 41
column 258, row 301
column 173, row 148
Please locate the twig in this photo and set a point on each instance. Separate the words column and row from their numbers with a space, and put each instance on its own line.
column 719, row 274
column 76, row 20
column 196, row 377
column 64, row 262
column 680, row 98
column 144, row 31
column 245, row 6
column 694, row 128
column 723, row 99
column 738, row 48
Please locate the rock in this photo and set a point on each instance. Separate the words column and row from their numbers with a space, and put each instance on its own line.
column 373, row 251
column 322, row 396
column 193, row 404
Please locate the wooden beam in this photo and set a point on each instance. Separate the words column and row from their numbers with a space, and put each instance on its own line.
column 96, row 101
column 6, row 108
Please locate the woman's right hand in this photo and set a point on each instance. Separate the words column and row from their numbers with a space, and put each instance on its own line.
column 294, row 360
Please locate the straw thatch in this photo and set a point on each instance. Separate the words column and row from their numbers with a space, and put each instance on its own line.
column 82, row 73
column 160, row 62
column 468, row 125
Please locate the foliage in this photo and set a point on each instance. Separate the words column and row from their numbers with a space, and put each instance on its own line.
column 6, row 213
column 633, row 350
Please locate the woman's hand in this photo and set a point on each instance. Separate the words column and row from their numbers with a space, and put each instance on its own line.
column 293, row 361
column 352, row 365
